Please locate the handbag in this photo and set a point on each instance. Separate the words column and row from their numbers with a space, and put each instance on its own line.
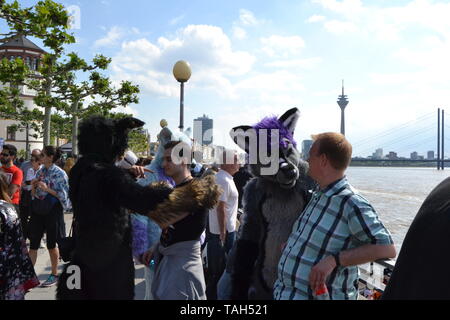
column 44, row 206
column 66, row 245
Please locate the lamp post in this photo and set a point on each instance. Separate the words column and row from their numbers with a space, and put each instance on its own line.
column 182, row 72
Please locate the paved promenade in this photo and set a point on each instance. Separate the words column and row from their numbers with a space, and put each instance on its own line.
column 43, row 269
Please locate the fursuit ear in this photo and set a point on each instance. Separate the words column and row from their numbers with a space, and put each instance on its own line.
column 290, row 118
column 243, row 135
column 127, row 124
column 188, row 132
column 165, row 135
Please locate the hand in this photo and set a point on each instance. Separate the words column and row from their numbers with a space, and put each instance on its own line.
column 41, row 185
column 137, row 171
column 320, row 272
column 147, row 256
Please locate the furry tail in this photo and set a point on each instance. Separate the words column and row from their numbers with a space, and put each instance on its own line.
column 199, row 194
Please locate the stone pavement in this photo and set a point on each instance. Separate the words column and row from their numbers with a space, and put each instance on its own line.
column 43, row 270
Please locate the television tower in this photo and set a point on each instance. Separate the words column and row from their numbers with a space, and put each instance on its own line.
column 342, row 102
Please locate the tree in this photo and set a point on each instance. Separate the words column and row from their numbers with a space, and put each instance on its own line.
column 137, row 138
column 138, row 141
column 48, row 21
column 71, row 94
column 60, row 127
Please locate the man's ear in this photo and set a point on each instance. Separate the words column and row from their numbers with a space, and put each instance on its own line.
column 323, row 160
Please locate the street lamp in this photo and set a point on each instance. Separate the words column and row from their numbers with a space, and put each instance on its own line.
column 182, row 72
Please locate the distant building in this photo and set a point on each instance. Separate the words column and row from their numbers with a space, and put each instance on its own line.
column 414, row 156
column 306, row 146
column 11, row 132
column 378, row 154
column 203, row 127
column 430, row 155
column 392, row 156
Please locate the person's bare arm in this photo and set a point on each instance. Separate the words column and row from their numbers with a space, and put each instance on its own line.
column 12, row 189
column 221, row 218
column 352, row 257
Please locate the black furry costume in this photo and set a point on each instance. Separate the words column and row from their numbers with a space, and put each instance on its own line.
column 421, row 269
column 100, row 193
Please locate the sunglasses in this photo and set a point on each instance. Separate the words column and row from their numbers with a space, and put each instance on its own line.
column 4, row 154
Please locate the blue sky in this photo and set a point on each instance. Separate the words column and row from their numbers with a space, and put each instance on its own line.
column 250, row 59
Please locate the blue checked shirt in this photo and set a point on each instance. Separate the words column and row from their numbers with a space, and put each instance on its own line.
column 56, row 179
column 336, row 219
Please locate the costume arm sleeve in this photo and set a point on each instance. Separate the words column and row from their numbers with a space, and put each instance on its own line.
column 247, row 247
column 137, row 198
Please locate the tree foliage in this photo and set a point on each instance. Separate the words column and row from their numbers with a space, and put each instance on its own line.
column 55, row 84
column 46, row 20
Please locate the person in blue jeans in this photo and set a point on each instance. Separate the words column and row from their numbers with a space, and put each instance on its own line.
column 222, row 222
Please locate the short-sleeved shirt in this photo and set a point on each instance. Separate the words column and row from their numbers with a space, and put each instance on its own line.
column 25, row 166
column 14, row 176
column 56, row 179
column 30, row 175
column 230, row 196
column 336, row 219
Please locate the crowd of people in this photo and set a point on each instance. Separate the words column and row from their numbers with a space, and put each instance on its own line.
column 200, row 210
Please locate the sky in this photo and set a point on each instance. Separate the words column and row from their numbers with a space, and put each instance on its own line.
column 252, row 59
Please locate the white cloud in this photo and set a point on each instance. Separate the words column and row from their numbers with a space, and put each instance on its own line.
column 247, row 18
column 112, row 37
column 176, row 20
column 279, row 46
column 340, row 27
column 388, row 23
column 295, row 63
column 345, row 7
column 239, row 33
column 207, row 48
column 315, row 18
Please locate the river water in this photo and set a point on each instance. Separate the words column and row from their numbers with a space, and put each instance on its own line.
column 396, row 193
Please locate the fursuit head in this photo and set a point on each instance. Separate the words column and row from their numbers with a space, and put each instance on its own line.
column 273, row 200
column 102, row 196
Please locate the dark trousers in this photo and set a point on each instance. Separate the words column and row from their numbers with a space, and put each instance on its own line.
column 24, row 212
column 216, row 261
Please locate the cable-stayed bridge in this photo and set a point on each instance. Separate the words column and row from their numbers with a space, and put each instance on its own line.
column 423, row 134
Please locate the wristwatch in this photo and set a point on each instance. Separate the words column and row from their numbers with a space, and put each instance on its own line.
column 336, row 258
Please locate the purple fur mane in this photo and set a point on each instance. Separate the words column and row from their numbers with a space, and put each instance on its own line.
column 273, row 123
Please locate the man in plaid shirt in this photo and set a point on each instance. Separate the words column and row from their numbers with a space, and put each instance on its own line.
column 336, row 232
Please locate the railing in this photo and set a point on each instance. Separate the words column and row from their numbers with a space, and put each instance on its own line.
column 373, row 278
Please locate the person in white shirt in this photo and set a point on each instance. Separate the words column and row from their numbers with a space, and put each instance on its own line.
column 222, row 222
column 25, row 197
